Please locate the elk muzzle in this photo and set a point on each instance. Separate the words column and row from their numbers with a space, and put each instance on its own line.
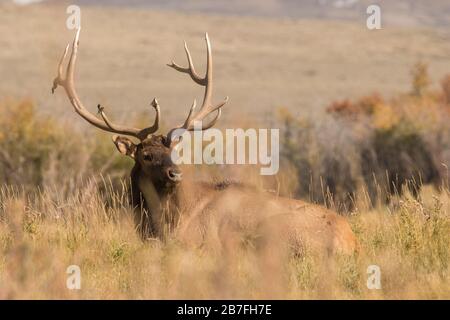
column 174, row 175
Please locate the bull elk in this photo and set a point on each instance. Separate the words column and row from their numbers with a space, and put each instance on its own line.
column 160, row 195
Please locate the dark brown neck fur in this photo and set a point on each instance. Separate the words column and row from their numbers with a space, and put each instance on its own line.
column 156, row 205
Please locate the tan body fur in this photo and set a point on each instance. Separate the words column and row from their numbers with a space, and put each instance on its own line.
column 236, row 213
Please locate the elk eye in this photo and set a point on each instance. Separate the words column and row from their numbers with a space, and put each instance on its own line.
column 148, row 157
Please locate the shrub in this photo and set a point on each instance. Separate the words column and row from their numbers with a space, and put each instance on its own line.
column 36, row 151
column 445, row 85
column 400, row 157
column 421, row 79
column 372, row 144
column 365, row 106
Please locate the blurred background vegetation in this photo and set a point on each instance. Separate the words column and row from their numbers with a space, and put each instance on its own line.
column 372, row 146
column 37, row 151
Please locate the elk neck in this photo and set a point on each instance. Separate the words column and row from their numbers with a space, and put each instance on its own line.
column 155, row 195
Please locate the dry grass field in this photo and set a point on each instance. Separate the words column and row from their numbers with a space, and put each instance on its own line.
column 63, row 187
column 42, row 234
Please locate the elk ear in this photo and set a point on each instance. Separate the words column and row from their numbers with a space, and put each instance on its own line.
column 125, row 146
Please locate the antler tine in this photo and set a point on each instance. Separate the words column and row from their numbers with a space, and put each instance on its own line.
column 69, row 86
column 207, row 107
column 144, row 133
column 73, row 59
column 59, row 79
column 190, row 69
column 191, row 112
column 213, row 121
column 155, row 126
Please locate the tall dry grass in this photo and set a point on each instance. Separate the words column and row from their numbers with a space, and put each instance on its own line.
column 42, row 233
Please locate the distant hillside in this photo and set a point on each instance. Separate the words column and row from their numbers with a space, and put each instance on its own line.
column 434, row 13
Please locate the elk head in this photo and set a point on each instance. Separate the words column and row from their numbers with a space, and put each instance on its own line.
column 152, row 154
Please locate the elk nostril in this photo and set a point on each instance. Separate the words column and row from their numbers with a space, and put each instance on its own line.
column 174, row 175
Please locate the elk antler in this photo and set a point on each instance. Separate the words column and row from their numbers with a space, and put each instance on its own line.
column 69, row 86
column 207, row 107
